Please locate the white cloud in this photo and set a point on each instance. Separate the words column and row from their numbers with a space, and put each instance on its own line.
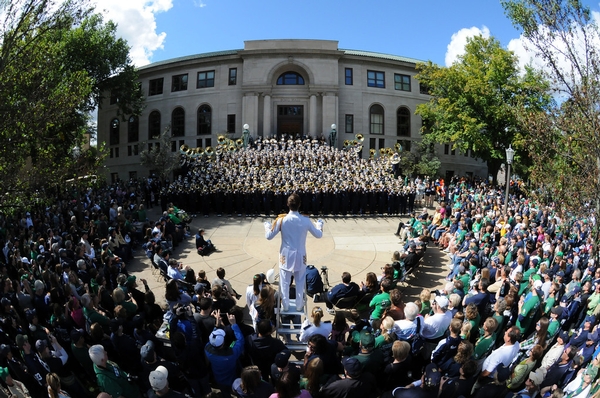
column 199, row 3
column 137, row 24
column 458, row 41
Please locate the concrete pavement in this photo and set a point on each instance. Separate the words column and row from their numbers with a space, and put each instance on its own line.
column 354, row 244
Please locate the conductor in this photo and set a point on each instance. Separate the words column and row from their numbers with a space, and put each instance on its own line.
column 292, row 254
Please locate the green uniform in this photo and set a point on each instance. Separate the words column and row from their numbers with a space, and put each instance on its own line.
column 113, row 381
column 482, row 346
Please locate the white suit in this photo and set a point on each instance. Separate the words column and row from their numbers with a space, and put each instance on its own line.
column 292, row 254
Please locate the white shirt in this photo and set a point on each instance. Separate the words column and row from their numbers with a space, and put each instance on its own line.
column 309, row 329
column 174, row 273
column 502, row 355
column 552, row 355
column 251, row 299
column 293, row 227
column 574, row 385
column 436, row 325
column 406, row 330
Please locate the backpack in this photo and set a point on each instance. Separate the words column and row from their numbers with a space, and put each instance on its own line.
column 418, row 342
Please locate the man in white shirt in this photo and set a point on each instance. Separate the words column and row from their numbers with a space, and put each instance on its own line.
column 503, row 355
column 437, row 324
column 292, row 253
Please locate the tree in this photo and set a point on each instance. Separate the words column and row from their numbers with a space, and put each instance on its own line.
column 564, row 142
column 160, row 159
column 472, row 101
column 56, row 60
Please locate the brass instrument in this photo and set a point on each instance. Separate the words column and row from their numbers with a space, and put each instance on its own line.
column 395, row 159
column 346, row 143
column 231, row 148
column 359, row 137
column 239, row 143
column 358, row 148
column 199, row 151
column 183, row 149
column 398, row 147
column 221, row 139
column 371, row 153
column 209, row 151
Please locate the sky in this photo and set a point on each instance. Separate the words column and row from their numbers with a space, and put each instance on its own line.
column 434, row 30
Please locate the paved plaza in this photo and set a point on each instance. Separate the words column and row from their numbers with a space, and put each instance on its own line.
column 354, row 244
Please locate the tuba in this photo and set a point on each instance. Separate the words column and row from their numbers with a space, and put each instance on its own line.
column 358, row 148
column 372, row 153
column 239, row 143
column 359, row 137
column 209, row 151
column 183, row 149
column 199, row 151
column 231, row 148
column 398, row 147
column 395, row 159
column 221, row 139
column 346, row 143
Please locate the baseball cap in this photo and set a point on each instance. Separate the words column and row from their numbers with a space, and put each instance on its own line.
column 433, row 377
column 40, row 345
column 557, row 311
column 564, row 336
column 147, row 351
column 367, row 339
column 537, row 285
column 4, row 350
column 20, row 339
column 352, row 366
column 217, row 337
column 536, row 378
column 282, row 358
column 76, row 334
column 158, row 378
column 442, row 301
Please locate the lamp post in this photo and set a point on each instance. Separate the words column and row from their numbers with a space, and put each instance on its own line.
column 333, row 135
column 246, row 135
column 510, row 153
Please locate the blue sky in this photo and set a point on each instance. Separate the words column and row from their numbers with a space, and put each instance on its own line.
column 433, row 30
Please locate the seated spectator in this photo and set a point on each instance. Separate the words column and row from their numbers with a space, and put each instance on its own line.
column 525, row 367
column 462, row 384
column 346, row 289
column 220, row 280
column 396, row 373
column 204, row 247
column 111, row 379
column 263, row 347
column 355, row 384
column 381, row 301
column 428, row 385
column 316, row 326
column 250, row 384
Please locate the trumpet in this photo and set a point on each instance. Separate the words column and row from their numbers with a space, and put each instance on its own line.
column 221, row 139
column 359, row 137
column 183, row 149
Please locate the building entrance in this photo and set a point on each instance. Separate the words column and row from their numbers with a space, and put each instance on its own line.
column 290, row 120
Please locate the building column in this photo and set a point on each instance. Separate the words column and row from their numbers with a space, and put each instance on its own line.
column 267, row 122
column 330, row 113
column 312, row 116
column 250, row 112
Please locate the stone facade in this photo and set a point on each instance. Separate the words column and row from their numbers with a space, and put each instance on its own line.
column 275, row 86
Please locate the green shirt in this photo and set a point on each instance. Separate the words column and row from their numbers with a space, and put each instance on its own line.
column 482, row 346
column 528, row 312
column 113, row 381
column 379, row 302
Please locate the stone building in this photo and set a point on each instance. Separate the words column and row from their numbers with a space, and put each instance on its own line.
column 275, row 87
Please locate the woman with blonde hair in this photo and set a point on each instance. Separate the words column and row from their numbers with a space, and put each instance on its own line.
column 54, row 390
column 316, row 326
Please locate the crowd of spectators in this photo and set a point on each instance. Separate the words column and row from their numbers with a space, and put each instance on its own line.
column 518, row 314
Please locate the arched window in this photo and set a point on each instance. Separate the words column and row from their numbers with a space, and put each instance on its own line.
column 290, row 78
column 154, row 125
column 376, row 119
column 178, row 122
column 114, row 132
column 403, row 122
column 133, row 129
column 204, row 120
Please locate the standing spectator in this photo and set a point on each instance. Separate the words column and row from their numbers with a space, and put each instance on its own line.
column 111, row 379
column 223, row 359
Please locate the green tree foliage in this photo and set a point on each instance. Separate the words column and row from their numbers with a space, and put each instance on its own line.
column 564, row 142
column 56, row 60
column 472, row 101
column 160, row 160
